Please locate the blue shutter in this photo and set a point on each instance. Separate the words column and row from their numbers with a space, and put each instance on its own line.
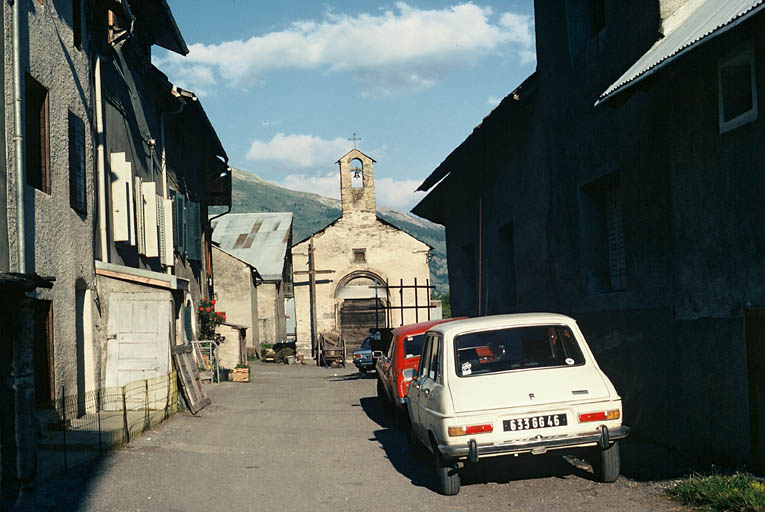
column 193, row 231
column 179, row 220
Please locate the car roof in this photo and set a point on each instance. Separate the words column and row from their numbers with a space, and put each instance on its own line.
column 421, row 327
column 500, row 321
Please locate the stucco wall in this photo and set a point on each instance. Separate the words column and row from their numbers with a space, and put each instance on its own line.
column 59, row 241
column 391, row 254
column 234, row 291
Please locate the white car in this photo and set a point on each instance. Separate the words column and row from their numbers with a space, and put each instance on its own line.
column 511, row 384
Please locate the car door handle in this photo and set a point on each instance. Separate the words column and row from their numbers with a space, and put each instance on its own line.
column 427, row 392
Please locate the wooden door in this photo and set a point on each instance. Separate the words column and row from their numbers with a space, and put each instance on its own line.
column 138, row 337
column 755, row 348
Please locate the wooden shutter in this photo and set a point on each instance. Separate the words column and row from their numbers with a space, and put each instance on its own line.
column 77, row 178
column 193, row 231
column 616, row 260
column 140, row 228
column 179, row 223
column 166, row 246
column 122, row 179
column 151, row 223
column 187, row 318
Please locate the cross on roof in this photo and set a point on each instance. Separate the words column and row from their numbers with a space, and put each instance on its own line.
column 354, row 139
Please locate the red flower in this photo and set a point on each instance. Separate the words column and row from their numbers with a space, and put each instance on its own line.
column 201, row 308
column 208, row 309
column 212, row 301
column 204, row 299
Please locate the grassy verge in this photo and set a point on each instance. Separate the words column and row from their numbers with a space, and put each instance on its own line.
column 739, row 492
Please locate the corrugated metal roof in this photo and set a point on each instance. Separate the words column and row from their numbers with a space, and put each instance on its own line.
column 259, row 239
column 709, row 18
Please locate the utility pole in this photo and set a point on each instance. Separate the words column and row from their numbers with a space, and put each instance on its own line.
column 315, row 347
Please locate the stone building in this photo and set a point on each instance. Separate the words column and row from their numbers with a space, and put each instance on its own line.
column 254, row 272
column 363, row 262
column 637, row 216
column 107, row 172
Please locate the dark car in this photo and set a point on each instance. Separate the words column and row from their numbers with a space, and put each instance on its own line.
column 362, row 357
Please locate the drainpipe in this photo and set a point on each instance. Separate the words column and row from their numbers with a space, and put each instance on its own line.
column 181, row 105
column 101, row 166
column 18, row 140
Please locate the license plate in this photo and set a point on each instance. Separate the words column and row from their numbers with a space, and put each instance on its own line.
column 532, row 422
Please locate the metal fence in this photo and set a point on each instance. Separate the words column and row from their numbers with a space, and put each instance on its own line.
column 77, row 428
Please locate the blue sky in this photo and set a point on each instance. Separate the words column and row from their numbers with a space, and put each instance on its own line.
column 287, row 83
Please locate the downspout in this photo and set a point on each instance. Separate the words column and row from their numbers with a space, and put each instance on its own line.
column 101, row 164
column 18, row 140
column 181, row 106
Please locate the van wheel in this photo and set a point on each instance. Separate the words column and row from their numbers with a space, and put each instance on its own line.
column 448, row 478
column 606, row 464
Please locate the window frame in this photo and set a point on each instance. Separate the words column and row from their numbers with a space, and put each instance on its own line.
column 360, row 255
column 37, row 127
column 78, row 182
column 742, row 53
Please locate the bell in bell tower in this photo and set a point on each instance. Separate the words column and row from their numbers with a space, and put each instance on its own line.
column 357, row 183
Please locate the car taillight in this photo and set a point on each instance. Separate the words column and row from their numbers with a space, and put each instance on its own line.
column 614, row 414
column 357, row 356
column 470, row 430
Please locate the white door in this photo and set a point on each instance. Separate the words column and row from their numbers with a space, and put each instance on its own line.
column 138, row 345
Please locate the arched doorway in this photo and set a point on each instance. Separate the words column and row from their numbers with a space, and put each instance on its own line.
column 362, row 297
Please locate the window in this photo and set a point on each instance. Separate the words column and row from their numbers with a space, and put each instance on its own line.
column 44, row 377
column 77, row 178
column 425, row 359
column 359, row 256
column 517, row 348
column 37, row 135
column 434, row 370
column 413, row 345
column 602, row 236
column 357, row 173
column 77, row 23
column 737, row 94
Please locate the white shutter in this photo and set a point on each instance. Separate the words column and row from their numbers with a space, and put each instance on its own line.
column 122, row 184
column 140, row 231
column 161, row 230
column 151, row 226
column 168, row 249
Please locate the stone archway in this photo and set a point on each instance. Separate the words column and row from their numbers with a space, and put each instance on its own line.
column 361, row 305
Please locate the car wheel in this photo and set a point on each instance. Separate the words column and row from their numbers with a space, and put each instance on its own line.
column 381, row 394
column 402, row 419
column 606, row 464
column 448, row 478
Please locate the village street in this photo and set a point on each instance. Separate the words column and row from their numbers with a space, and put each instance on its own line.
column 308, row 438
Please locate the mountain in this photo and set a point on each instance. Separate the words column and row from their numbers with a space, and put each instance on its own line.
column 312, row 212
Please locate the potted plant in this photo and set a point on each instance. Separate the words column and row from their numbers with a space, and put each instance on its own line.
column 242, row 373
column 209, row 319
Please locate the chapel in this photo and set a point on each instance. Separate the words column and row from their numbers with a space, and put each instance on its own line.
column 364, row 269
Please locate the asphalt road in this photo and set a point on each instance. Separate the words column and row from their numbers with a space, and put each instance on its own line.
column 307, row 438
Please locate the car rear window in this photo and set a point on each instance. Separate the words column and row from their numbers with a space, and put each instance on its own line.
column 516, row 348
column 413, row 345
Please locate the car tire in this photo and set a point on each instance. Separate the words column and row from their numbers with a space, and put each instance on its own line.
column 606, row 464
column 381, row 395
column 447, row 475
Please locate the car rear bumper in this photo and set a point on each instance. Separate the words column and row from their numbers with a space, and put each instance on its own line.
column 535, row 445
column 361, row 363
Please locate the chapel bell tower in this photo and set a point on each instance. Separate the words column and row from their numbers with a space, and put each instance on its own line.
column 357, row 183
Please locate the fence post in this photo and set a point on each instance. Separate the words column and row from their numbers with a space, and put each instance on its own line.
column 98, row 413
column 124, row 416
column 63, row 422
column 427, row 296
column 401, row 299
column 416, row 304
column 167, row 400
column 146, row 417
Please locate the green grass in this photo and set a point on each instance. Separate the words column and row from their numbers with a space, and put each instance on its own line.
column 739, row 492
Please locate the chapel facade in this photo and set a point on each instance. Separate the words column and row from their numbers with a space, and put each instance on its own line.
column 361, row 263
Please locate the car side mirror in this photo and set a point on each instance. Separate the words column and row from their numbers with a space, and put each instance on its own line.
column 409, row 374
column 377, row 353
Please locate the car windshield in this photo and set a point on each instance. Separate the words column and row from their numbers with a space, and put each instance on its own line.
column 413, row 345
column 515, row 349
column 366, row 344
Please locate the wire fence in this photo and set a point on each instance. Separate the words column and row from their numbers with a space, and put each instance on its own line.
column 77, row 428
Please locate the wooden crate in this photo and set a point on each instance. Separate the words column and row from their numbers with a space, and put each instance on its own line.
column 241, row 374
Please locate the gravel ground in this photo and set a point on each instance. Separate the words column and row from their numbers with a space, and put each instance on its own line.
column 307, row 438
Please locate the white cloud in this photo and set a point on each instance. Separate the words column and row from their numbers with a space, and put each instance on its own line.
column 297, row 151
column 398, row 194
column 327, row 185
column 398, row 50
column 493, row 101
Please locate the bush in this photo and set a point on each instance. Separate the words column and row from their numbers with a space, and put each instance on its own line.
column 739, row 492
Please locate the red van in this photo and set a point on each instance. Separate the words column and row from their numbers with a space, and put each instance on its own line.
column 404, row 352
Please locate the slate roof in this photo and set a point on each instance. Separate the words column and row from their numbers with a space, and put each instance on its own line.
column 708, row 19
column 258, row 239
